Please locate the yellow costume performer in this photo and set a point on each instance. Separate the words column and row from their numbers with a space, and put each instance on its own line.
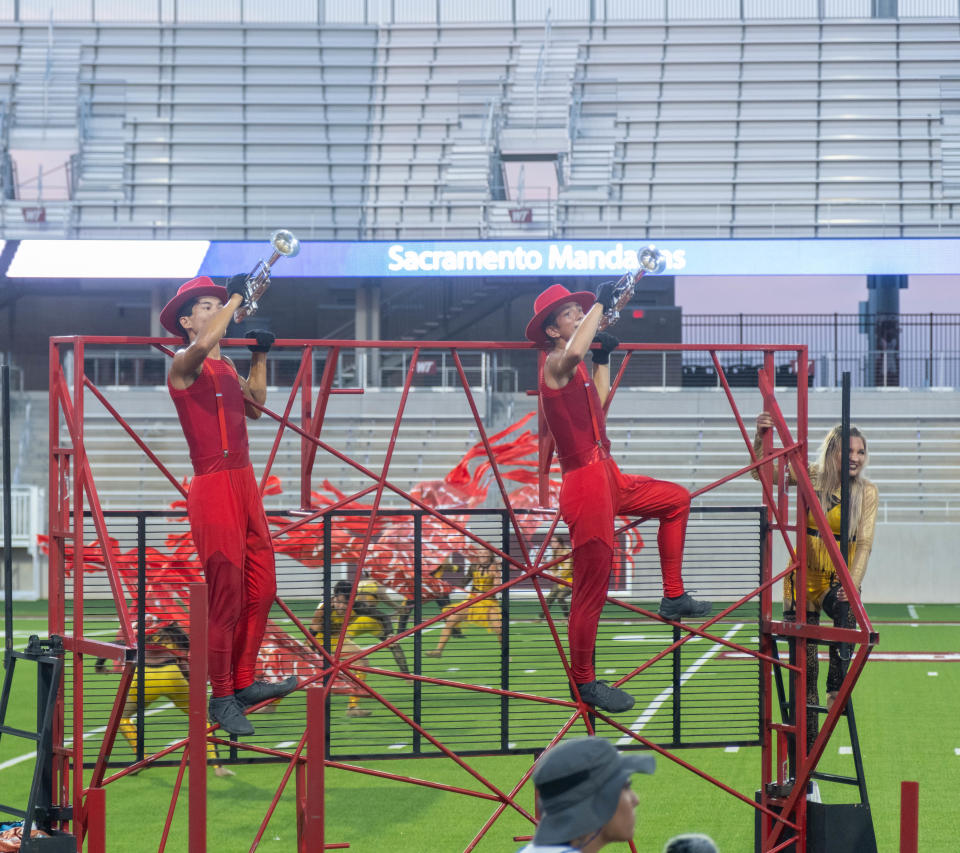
column 366, row 619
column 821, row 574
column 485, row 612
column 165, row 676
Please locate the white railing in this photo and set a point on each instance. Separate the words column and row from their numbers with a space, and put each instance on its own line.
column 26, row 525
column 359, row 368
column 428, row 219
column 365, row 368
column 27, row 517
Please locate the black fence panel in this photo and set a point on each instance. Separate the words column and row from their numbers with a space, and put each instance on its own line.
column 702, row 694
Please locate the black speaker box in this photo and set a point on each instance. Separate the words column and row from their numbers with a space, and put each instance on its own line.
column 840, row 828
column 831, row 828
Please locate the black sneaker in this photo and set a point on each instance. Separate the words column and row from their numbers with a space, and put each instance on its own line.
column 260, row 691
column 227, row 713
column 602, row 695
column 683, row 605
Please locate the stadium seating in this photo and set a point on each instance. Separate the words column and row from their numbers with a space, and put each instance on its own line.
column 915, row 455
column 352, row 130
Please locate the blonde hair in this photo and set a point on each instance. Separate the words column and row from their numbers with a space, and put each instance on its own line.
column 825, row 473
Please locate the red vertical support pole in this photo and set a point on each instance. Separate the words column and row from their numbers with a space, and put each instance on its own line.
column 197, row 746
column 768, row 753
column 316, row 757
column 909, row 817
column 306, row 402
column 774, row 742
column 96, row 820
column 800, row 589
column 58, row 523
column 79, row 467
column 55, row 500
column 802, row 441
column 301, row 808
column 769, row 750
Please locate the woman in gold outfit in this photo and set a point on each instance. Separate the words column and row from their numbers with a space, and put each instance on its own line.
column 823, row 589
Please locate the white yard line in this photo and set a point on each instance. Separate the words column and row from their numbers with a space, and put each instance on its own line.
column 640, row 638
column 166, row 706
column 691, row 670
column 912, row 612
column 26, row 635
column 909, row 657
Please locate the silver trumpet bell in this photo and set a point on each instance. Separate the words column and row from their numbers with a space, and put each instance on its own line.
column 651, row 261
column 286, row 245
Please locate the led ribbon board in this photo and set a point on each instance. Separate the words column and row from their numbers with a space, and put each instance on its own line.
column 514, row 258
column 510, row 258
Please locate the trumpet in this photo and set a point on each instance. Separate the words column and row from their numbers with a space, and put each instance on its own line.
column 286, row 245
column 652, row 261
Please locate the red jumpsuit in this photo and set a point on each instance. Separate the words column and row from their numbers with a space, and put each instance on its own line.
column 228, row 524
column 594, row 491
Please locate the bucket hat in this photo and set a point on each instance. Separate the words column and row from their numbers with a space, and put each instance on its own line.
column 579, row 783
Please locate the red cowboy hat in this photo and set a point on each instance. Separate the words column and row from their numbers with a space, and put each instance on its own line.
column 548, row 302
column 193, row 289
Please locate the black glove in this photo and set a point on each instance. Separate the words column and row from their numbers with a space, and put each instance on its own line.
column 237, row 284
column 264, row 338
column 608, row 343
column 605, row 294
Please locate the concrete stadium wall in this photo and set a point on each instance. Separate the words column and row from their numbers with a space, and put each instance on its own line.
column 911, row 563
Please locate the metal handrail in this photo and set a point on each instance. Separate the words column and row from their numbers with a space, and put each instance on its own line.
column 538, row 78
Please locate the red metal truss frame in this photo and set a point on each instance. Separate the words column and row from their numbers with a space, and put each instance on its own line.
column 72, row 494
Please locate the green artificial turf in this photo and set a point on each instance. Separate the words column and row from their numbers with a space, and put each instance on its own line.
column 905, row 716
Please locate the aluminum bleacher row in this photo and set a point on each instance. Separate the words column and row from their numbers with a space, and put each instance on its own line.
column 425, row 450
column 390, row 131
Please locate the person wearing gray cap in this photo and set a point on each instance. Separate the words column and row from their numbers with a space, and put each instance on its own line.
column 690, row 843
column 586, row 803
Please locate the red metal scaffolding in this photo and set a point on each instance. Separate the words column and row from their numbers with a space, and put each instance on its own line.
column 785, row 763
